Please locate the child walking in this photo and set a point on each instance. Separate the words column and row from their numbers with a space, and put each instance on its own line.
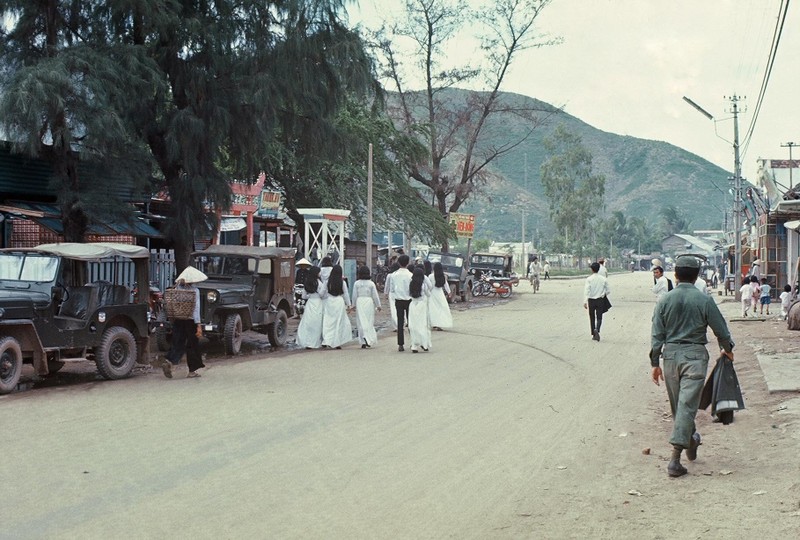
column 786, row 298
column 765, row 299
column 747, row 295
column 755, row 287
column 366, row 301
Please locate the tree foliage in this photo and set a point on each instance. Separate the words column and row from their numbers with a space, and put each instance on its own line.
column 452, row 124
column 59, row 99
column 575, row 194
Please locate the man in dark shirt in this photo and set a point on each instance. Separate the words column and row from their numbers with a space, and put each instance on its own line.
column 680, row 320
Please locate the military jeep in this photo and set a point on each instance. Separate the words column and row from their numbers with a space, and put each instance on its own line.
column 68, row 302
column 248, row 288
column 458, row 278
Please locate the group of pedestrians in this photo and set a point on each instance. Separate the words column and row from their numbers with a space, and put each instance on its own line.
column 326, row 321
column 418, row 298
column 755, row 293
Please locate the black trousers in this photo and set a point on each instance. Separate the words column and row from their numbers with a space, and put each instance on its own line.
column 184, row 340
column 402, row 316
column 596, row 307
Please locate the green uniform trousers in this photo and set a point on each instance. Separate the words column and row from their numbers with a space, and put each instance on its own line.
column 685, row 367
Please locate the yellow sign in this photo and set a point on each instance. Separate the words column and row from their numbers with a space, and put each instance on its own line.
column 464, row 224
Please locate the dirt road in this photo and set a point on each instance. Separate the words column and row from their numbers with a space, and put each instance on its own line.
column 515, row 425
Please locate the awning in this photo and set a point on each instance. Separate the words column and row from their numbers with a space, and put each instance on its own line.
column 793, row 225
column 47, row 216
column 230, row 224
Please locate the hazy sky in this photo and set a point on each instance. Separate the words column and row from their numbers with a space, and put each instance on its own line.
column 624, row 66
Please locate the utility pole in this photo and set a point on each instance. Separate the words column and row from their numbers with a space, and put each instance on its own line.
column 524, row 215
column 791, row 163
column 737, row 203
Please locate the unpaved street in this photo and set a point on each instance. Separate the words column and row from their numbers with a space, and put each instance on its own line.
column 515, row 425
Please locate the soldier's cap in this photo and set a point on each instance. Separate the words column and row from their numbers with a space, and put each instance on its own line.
column 687, row 261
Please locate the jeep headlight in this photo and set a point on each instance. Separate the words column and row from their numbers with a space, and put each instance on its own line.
column 212, row 296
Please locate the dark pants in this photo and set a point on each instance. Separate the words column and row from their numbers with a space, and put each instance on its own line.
column 547, row 275
column 596, row 306
column 184, row 340
column 402, row 315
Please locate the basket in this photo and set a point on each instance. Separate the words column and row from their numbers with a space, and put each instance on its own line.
column 179, row 303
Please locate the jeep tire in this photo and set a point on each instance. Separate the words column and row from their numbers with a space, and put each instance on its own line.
column 10, row 364
column 277, row 331
column 116, row 355
column 232, row 334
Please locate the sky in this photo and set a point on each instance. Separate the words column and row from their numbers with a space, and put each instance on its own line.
column 624, row 65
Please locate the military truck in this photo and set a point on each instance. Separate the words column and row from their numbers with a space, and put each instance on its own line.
column 248, row 288
column 68, row 302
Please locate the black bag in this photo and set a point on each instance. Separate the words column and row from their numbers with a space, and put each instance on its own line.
column 669, row 285
column 606, row 304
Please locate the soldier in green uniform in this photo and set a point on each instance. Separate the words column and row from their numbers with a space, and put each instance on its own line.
column 680, row 320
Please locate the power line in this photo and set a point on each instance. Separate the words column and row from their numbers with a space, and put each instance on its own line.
column 776, row 38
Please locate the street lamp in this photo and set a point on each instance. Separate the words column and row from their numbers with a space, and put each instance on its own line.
column 737, row 196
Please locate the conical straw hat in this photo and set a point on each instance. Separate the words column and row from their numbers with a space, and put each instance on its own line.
column 191, row 274
column 302, row 261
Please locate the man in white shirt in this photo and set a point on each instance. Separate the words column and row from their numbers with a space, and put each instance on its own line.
column 534, row 270
column 594, row 293
column 401, row 290
column 662, row 285
column 603, row 270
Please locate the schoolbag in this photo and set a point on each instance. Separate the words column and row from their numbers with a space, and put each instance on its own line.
column 669, row 285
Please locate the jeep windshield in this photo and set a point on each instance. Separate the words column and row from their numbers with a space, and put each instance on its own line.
column 491, row 260
column 225, row 265
column 23, row 268
column 446, row 259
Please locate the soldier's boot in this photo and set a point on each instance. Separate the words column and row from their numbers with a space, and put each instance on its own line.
column 694, row 442
column 675, row 469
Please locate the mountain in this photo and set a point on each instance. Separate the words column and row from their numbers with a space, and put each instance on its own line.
column 642, row 176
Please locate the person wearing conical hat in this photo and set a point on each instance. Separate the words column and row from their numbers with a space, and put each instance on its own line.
column 186, row 332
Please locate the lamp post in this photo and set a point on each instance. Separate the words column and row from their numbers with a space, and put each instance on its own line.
column 737, row 195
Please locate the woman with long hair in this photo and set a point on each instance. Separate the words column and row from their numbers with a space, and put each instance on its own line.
column 438, row 309
column 418, row 325
column 309, row 331
column 366, row 301
column 336, row 327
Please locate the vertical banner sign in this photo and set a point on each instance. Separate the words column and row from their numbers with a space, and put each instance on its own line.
column 464, row 224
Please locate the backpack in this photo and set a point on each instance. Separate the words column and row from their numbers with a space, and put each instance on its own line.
column 669, row 285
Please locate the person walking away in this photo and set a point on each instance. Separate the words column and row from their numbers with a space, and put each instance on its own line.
column 662, row 285
column 603, row 270
column 428, row 267
column 418, row 327
column 309, row 331
column 325, row 267
column 786, row 299
column 336, row 327
column 387, row 290
column 747, row 292
column 187, row 332
column 678, row 334
column 400, row 288
column 594, row 292
column 438, row 308
column 546, row 269
column 365, row 301
column 755, row 287
column 766, row 298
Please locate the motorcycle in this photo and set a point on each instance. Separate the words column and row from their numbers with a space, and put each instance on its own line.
column 501, row 287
